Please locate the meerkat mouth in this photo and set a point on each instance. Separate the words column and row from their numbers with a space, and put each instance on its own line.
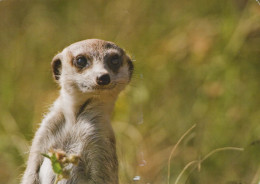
column 102, row 88
column 99, row 88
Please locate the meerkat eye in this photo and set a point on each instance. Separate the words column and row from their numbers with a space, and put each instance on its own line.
column 81, row 62
column 115, row 60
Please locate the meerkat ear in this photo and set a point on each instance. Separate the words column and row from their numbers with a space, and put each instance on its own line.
column 130, row 65
column 56, row 66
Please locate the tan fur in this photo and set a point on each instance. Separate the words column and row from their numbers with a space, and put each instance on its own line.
column 79, row 120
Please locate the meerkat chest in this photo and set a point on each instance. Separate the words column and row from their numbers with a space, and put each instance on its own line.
column 84, row 138
column 75, row 138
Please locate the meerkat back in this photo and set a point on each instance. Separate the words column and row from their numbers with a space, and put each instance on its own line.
column 91, row 74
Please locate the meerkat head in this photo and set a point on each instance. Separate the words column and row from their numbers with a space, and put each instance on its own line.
column 92, row 66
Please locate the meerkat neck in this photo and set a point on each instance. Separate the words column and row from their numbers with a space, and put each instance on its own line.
column 73, row 105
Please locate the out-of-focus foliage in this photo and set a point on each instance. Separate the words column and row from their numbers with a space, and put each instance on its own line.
column 196, row 62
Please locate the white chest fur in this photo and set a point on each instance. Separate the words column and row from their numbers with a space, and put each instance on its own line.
column 90, row 138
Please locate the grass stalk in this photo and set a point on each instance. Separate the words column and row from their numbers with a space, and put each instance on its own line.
column 199, row 162
column 174, row 149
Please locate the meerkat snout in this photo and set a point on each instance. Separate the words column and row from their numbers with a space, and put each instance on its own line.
column 103, row 79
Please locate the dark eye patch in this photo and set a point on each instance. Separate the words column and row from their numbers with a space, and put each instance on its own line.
column 114, row 62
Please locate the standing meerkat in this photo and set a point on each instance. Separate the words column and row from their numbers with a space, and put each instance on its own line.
column 91, row 74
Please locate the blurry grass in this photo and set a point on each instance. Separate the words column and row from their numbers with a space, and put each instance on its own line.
column 196, row 61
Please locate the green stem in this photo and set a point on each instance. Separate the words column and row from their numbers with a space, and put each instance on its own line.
column 56, row 179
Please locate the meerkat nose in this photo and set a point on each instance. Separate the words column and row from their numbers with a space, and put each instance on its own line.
column 103, row 79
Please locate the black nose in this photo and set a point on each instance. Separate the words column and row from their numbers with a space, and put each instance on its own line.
column 103, row 79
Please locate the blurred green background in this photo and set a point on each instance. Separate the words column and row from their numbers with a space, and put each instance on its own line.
column 197, row 62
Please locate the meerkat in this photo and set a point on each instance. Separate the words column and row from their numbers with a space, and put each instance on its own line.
column 91, row 73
